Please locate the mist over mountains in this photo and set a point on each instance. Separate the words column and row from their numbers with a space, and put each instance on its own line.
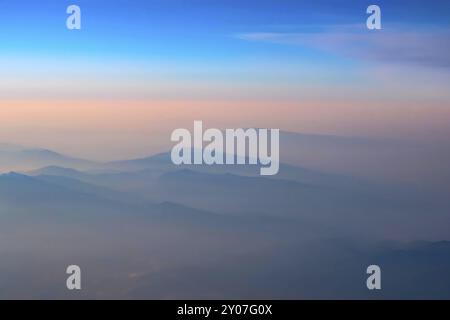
column 145, row 228
column 16, row 158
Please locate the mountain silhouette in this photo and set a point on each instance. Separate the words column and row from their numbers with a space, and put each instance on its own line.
column 16, row 159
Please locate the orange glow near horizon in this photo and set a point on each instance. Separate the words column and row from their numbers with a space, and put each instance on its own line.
column 120, row 129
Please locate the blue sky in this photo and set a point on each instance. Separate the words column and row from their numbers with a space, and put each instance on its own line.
column 271, row 44
column 187, row 30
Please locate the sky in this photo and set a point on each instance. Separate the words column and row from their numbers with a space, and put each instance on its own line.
column 137, row 70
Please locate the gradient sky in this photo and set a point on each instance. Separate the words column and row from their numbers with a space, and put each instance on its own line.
column 139, row 69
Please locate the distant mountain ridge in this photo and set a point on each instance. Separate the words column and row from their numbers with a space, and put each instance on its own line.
column 15, row 158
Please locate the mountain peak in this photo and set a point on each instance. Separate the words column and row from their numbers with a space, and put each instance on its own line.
column 13, row 174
